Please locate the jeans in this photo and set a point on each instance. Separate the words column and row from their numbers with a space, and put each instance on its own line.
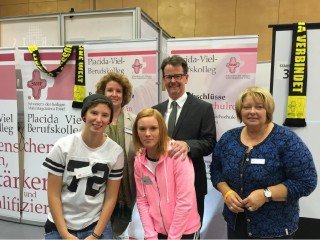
column 107, row 233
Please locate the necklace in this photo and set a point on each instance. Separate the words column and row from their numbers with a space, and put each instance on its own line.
column 151, row 159
column 254, row 139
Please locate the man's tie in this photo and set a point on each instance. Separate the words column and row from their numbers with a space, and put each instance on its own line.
column 172, row 118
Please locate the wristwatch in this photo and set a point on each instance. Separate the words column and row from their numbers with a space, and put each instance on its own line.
column 267, row 194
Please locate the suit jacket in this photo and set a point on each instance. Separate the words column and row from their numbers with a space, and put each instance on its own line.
column 195, row 126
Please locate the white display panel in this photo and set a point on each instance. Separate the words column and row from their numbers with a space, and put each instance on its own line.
column 148, row 31
column 263, row 74
column 92, row 27
column 43, row 31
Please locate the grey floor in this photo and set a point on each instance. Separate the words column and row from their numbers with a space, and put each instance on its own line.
column 13, row 230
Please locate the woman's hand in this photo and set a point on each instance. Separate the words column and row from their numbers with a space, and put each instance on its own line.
column 70, row 236
column 255, row 200
column 90, row 237
column 234, row 202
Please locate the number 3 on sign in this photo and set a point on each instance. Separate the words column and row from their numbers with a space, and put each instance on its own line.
column 286, row 73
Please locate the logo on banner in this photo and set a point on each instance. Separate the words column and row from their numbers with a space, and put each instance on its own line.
column 233, row 65
column 36, row 84
column 136, row 66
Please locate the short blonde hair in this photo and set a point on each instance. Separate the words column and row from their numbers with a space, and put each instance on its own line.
column 258, row 94
column 119, row 78
column 163, row 137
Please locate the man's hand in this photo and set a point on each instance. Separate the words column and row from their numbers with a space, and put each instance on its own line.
column 179, row 149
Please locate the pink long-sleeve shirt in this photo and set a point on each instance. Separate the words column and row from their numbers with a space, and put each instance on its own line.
column 166, row 198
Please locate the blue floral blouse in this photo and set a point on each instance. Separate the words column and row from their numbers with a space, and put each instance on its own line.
column 281, row 158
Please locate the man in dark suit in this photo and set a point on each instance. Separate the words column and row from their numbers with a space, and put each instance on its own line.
column 194, row 132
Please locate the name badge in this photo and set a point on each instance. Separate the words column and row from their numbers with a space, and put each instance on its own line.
column 146, row 180
column 258, row 161
column 127, row 130
column 83, row 172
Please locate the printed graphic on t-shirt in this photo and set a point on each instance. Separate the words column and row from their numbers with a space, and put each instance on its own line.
column 100, row 173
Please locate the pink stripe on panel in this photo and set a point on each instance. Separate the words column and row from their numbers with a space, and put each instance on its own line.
column 150, row 65
column 220, row 50
column 8, row 82
column 6, row 57
column 128, row 53
column 250, row 63
column 48, row 56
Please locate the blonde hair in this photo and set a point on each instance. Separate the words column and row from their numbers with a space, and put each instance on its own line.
column 119, row 78
column 260, row 95
column 163, row 137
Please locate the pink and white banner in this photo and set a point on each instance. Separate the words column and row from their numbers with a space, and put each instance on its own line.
column 48, row 116
column 137, row 59
column 9, row 147
column 48, row 112
column 219, row 69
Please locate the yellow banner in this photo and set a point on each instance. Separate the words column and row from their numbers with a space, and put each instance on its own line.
column 296, row 106
column 79, row 93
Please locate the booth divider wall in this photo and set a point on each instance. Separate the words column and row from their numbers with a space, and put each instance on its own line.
column 279, row 86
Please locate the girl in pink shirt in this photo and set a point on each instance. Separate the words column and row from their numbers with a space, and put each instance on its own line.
column 166, row 197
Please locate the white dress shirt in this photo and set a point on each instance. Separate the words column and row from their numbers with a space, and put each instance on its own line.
column 180, row 101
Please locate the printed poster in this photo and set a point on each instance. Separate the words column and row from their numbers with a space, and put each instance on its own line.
column 219, row 69
column 48, row 116
column 138, row 60
column 10, row 202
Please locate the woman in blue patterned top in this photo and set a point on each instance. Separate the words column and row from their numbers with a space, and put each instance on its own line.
column 262, row 170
